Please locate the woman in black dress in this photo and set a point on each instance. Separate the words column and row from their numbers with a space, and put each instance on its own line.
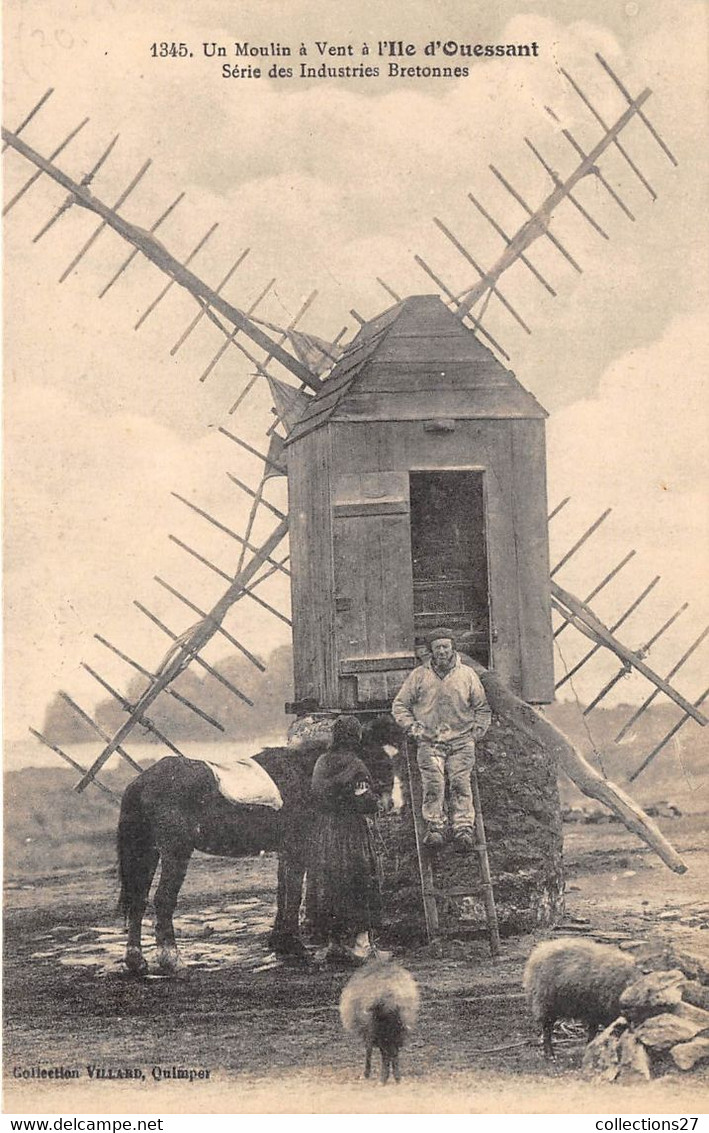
column 343, row 900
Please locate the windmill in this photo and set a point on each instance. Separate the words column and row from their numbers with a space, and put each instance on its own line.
column 314, row 384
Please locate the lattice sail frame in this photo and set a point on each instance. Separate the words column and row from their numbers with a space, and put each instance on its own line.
column 308, row 359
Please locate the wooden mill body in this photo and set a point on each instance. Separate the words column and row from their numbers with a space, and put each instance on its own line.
column 414, row 399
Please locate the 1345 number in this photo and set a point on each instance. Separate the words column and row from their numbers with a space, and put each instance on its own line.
column 169, row 50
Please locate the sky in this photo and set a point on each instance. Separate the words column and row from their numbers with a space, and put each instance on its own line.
column 329, row 184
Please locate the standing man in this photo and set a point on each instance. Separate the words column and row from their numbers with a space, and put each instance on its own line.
column 442, row 705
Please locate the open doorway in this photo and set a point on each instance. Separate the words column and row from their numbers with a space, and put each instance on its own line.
column 449, row 557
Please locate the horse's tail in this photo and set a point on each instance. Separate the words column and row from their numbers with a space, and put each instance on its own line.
column 135, row 846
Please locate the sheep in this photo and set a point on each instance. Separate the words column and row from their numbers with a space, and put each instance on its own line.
column 576, row 979
column 380, row 1004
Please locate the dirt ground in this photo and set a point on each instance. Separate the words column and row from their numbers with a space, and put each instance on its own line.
column 269, row 1035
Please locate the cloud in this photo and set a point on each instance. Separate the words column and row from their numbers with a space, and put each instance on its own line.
column 644, row 434
column 640, row 447
column 88, row 511
column 330, row 186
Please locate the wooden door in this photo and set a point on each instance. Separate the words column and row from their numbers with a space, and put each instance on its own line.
column 373, row 586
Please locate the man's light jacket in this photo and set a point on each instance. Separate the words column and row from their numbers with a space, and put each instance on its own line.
column 447, row 707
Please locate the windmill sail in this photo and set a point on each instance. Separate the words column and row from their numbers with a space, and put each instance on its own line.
column 146, row 243
column 309, row 359
column 187, row 649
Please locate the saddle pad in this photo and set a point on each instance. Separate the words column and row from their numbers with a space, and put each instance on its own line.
column 243, row 780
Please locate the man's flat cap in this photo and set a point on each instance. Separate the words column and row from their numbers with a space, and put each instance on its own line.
column 439, row 633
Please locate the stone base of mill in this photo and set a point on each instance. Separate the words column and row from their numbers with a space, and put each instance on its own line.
column 522, row 815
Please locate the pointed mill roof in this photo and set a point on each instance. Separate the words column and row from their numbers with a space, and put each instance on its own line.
column 289, row 402
column 417, row 361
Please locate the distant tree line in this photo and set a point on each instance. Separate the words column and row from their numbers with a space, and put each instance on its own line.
column 269, row 692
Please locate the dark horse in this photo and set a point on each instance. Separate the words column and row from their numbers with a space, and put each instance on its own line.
column 174, row 808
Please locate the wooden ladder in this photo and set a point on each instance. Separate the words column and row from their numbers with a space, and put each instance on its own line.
column 426, row 857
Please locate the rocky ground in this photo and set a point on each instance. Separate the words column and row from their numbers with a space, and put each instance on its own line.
column 268, row 1035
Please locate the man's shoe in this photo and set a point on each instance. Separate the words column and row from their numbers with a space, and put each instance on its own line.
column 434, row 840
column 463, row 843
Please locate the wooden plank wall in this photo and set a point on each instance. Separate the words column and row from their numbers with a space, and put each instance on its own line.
column 373, row 582
column 360, row 561
column 312, row 590
column 404, row 446
column 531, row 527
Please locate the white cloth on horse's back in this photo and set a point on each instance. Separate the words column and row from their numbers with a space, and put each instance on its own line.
column 243, row 780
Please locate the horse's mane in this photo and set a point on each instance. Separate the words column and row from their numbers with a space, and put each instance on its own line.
column 292, row 764
column 298, row 762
